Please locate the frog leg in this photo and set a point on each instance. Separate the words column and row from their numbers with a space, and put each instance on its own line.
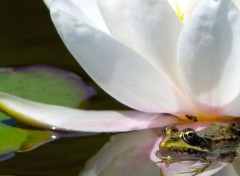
column 229, row 157
column 200, row 169
column 169, row 160
column 165, row 159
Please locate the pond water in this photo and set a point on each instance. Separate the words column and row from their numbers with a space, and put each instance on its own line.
column 63, row 157
column 28, row 37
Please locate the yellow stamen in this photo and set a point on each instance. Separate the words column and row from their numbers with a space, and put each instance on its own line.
column 176, row 5
column 183, row 8
column 179, row 13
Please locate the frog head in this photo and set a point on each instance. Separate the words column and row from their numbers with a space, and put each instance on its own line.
column 185, row 141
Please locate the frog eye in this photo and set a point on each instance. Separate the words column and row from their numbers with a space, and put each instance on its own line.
column 189, row 136
column 169, row 130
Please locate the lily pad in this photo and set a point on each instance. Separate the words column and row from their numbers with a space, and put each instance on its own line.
column 44, row 84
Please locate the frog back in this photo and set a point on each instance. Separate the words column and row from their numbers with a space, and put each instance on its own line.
column 224, row 137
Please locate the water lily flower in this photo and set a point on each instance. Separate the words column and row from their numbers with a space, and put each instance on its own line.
column 156, row 57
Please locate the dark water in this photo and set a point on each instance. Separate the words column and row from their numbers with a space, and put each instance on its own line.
column 61, row 158
column 27, row 37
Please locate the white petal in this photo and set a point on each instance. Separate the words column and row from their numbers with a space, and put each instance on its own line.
column 126, row 154
column 156, row 31
column 57, row 117
column 116, row 16
column 150, row 27
column 80, row 9
column 209, row 54
column 232, row 108
column 117, row 69
column 237, row 3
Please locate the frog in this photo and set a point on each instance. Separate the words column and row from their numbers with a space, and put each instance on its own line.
column 216, row 142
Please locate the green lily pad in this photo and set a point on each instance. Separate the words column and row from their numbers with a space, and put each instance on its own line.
column 44, row 84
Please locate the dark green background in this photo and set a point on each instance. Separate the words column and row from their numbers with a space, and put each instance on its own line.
column 27, row 36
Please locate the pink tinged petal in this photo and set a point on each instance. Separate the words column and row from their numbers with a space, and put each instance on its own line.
column 126, row 154
column 116, row 16
column 85, row 11
column 117, row 69
column 156, row 30
column 63, row 118
column 209, row 52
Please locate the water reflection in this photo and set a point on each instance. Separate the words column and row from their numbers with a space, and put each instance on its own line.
column 65, row 156
column 14, row 139
column 50, row 159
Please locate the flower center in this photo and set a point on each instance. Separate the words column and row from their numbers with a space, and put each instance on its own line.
column 189, row 118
